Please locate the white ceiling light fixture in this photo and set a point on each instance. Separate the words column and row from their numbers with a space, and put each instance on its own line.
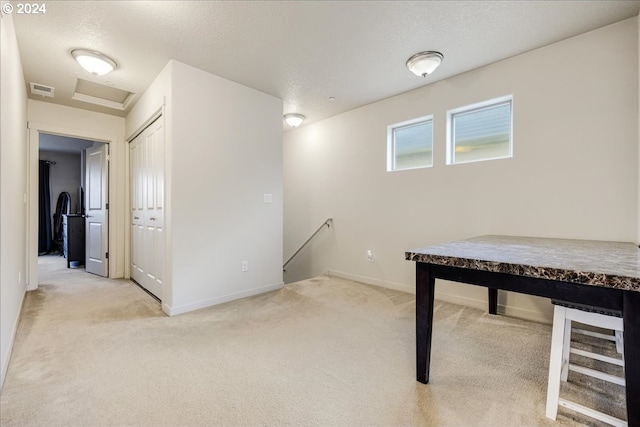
column 424, row 63
column 293, row 119
column 94, row 62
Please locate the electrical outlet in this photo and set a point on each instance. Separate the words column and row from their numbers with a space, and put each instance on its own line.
column 268, row 198
column 245, row 266
column 370, row 255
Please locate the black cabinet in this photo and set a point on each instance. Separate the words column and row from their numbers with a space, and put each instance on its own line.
column 73, row 239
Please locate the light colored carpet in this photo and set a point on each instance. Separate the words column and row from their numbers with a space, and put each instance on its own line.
column 321, row 352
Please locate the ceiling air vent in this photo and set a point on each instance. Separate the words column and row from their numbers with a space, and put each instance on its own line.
column 42, row 90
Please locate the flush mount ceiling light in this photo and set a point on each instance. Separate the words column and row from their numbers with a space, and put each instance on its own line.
column 94, row 62
column 293, row 119
column 424, row 63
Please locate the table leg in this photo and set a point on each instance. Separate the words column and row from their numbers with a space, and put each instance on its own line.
column 493, row 301
column 425, row 285
column 631, row 333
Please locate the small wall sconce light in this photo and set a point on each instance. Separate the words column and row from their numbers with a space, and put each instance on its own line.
column 424, row 63
column 94, row 62
column 293, row 119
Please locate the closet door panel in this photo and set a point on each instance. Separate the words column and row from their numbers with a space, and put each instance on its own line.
column 138, row 171
column 147, row 208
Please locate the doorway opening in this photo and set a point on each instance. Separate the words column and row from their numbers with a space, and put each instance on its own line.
column 73, row 203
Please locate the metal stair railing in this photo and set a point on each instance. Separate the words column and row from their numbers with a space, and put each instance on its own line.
column 327, row 222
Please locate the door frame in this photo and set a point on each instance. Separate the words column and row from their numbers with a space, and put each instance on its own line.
column 34, row 130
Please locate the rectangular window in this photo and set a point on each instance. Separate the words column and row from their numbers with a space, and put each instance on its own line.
column 410, row 144
column 481, row 131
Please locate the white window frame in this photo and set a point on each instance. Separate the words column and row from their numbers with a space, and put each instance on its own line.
column 391, row 157
column 470, row 108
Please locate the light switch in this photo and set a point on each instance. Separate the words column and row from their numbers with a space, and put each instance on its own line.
column 268, row 198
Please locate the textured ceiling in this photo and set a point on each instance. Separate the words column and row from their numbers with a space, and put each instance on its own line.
column 300, row 51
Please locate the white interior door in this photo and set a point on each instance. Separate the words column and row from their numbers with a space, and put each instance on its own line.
column 147, row 207
column 96, row 235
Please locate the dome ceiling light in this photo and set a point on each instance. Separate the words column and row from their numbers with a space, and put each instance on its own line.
column 94, row 62
column 424, row 63
column 293, row 119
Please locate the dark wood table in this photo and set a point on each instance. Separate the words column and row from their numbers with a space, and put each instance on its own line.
column 601, row 274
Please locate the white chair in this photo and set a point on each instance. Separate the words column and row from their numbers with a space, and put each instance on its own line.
column 559, row 366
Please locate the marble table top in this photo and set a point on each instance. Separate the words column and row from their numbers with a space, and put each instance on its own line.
column 589, row 262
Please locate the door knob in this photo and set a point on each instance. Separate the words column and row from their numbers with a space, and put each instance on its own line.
column 152, row 219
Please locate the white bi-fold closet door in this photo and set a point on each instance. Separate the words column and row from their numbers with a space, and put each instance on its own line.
column 146, row 160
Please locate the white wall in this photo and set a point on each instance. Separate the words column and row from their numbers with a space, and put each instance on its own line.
column 574, row 173
column 226, row 153
column 13, row 188
column 67, row 121
column 157, row 95
column 223, row 145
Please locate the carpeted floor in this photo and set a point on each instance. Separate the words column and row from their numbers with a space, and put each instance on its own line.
column 321, row 352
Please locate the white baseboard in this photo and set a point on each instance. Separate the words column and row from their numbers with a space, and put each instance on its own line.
column 460, row 300
column 507, row 310
column 523, row 313
column 185, row 308
column 6, row 358
column 371, row 281
column 482, row 304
